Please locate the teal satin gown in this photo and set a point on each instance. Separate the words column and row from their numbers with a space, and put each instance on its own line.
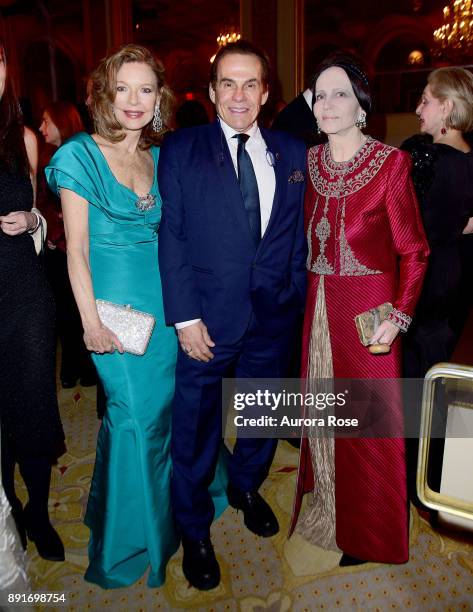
column 129, row 509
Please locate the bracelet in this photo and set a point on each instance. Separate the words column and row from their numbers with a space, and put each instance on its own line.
column 38, row 222
column 399, row 319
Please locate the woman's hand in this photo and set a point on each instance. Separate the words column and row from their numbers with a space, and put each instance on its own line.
column 385, row 334
column 18, row 222
column 101, row 339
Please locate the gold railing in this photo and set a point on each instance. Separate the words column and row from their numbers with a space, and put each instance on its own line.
column 430, row 498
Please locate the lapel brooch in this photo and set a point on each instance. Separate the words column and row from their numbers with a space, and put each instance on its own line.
column 271, row 157
column 296, row 177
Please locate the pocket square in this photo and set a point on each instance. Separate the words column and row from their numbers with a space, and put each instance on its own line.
column 296, row 177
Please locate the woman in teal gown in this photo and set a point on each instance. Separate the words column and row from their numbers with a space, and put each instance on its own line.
column 112, row 231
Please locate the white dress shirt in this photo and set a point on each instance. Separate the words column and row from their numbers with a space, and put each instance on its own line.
column 263, row 163
column 308, row 97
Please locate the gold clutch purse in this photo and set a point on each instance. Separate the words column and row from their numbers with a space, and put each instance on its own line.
column 368, row 322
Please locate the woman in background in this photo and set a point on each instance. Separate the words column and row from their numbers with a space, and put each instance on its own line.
column 60, row 121
column 32, row 434
column 443, row 179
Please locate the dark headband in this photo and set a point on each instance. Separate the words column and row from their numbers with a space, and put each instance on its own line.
column 355, row 71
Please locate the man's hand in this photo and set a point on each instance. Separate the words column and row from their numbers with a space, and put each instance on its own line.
column 195, row 341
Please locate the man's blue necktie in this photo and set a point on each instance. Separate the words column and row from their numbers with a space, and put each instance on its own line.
column 249, row 188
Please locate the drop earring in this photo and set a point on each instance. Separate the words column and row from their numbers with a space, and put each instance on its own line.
column 319, row 131
column 361, row 121
column 157, row 119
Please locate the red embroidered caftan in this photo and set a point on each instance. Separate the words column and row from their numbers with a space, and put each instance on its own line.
column 366, row 247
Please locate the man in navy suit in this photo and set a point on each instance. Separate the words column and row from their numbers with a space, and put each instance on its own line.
column 232, row 256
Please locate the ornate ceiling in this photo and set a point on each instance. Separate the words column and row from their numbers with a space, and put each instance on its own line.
column 187, row 23
column 183, row 32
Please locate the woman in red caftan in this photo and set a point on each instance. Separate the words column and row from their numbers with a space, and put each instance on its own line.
column 366, row 247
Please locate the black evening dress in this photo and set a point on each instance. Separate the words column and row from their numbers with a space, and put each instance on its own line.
column 28, row 403
column 443, row 178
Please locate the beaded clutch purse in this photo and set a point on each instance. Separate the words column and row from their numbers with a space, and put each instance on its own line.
column 132, row 327
column 368, row 322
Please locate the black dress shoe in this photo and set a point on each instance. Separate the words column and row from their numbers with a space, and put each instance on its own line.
column 259, row 518
column 200, row 565
column 348, row 560
column 48, row 543
column 68, row 382
column 88, row 380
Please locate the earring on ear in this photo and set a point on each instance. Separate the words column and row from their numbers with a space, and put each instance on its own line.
column 319, row 131
column 443, row 131
column 157, row 119
column 361, row 121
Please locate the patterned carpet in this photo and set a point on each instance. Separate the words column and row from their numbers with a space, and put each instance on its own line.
column 257, row 574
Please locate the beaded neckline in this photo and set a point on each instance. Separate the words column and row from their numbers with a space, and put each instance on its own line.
column 340, row 179
column 343, row 167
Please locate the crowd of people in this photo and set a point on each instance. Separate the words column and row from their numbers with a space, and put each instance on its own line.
column 227, row 234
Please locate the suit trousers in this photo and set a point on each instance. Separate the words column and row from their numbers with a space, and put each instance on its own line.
column 197, row 425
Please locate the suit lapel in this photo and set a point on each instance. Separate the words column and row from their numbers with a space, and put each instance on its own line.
column 280, row 174
column 225, row 169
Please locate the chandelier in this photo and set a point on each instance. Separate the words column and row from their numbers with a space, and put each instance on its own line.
column 226, row 37
column 454, row 39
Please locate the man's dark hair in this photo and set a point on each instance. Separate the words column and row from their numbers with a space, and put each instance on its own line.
column 242, row 47
column 354, row 71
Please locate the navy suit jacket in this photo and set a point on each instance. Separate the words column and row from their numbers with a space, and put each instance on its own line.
column 210, row 267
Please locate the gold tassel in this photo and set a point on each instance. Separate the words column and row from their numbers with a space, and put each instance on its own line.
column 317, row 524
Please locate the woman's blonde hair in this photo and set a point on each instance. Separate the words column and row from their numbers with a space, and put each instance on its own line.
column 103, row 83
column 455, row 84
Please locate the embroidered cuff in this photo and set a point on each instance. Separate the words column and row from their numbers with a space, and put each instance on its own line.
column 400, row 319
